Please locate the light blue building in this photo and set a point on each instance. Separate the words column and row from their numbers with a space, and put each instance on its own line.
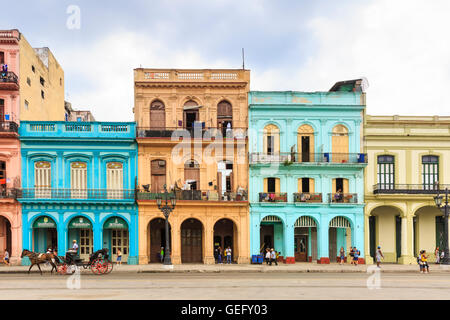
column 307, row 172
column 78, row 182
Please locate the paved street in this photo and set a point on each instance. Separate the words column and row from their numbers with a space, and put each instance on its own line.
column 227, row 286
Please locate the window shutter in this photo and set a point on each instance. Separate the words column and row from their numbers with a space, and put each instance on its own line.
column 299, row 185
column 277, row 185
column 345, row 185
column 334, row 186
column 266, row 189
column 311, row 185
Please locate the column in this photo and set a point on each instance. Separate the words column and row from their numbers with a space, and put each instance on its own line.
column 176, row 241
column 209, row 241
column 133, row 236
column 255, row 234
column 323, row 241
column 98, row 234
column 367, row 235
column 289, row 242
column 358, row 234
column 407, row 240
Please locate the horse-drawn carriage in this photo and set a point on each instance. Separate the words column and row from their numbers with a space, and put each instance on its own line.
column 98, row 263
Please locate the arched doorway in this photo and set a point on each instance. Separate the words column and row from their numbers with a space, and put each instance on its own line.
column 5, row 237
column 339, row 235
column 157, row 239
column 191, row 241
column 271, row 234
column 224, row 237
column 115, row 237
column 429, row 232
column 305, row 143
column 157, row 115
column 305, row 239
column 45, row 235
column 80, row 229
column 385, row 231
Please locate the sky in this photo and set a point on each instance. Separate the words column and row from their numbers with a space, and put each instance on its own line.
column 400, row 46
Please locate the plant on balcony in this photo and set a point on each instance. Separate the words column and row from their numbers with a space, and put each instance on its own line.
column 287, row 162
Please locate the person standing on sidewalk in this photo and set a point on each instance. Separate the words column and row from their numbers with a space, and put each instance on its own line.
column 419, row 261
column 119, row 257
column 352, row 253
column 342, row 255
column 161, row 254
column 6, row 257
column 355, row 256
column 273, row 257
column 438, row 255
column 219, row 255
column 379, row 255
column 228, row 253
column 424, row 259
column 268, row 257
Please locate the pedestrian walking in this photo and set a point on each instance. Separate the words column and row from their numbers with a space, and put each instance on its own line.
column 273, row 257
column 379, row 255
column 161, row 254
column 419, row 261
column 219, row 255
column 342, row 255
column 438, row 255
column 268, row 257
column 6, row 258
column 356, row 254
column 228, row 253
column 352, row 254
column 119, row 257
column 424, row 259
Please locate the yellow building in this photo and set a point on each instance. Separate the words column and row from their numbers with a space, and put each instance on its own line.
column 192, row 138
column 41, row 84
column 408, row 157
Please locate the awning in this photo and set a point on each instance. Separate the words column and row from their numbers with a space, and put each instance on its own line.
column 115, row 223
column 44, row 222
column 80, row 223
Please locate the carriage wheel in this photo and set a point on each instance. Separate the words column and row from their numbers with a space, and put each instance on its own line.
column 95, row 266
column 103, row 266
column 109, row 266
column 62, row 268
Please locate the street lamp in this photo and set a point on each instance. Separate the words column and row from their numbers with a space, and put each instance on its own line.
column 445, row 208
column 166, row 209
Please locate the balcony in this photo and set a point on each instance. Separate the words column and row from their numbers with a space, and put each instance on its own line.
column 197, row 195
column 343, row 198
column 288, row 158
column 272, row 197
column 9, row 81
column 74, row 194
column 192, row 132
column 408, row 188
column 9, row 127
column 8, row 193
column 87, row 130
column 307, row 197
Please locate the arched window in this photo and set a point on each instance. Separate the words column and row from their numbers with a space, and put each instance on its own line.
column 114, row 180
column 430, row 171
column 224, row 116
column 157, row 115
column 271, row 142
column 386, row 172
column 339, row 144
column 305, row 143
column 42, row 179
column 190, row 114
column 78, row 179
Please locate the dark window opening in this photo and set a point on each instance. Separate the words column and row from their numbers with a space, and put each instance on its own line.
column 42, row 81
column 270, row 144
column 33, row 69
column 42, row 94
column 305, row 185
column 271, row 185
column 2, row 57
column 339, row 185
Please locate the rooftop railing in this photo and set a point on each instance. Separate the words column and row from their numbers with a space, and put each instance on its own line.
column 390, row 188
column 192, row 75
column 294, row 157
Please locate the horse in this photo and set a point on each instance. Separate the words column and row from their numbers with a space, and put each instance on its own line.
column 39, row 258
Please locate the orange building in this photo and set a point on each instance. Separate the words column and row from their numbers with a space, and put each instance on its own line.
column 192, row 138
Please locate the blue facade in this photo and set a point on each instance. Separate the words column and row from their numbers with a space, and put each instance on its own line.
column 78, row 184
column 306, row 173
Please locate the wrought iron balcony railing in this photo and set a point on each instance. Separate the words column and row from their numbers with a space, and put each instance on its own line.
column 272, row 197
column 307, row 197
column 6, row 193
column 294, row 157
column 74, row 194
column 391, row 188
column 9, row 76
column 9, row 126
column 197, row 195
column 343, row 198
column 192, row 132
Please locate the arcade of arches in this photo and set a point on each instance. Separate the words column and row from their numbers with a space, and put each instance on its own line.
column 195, row 232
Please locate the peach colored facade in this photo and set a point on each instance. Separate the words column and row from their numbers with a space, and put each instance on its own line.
column 207, row 215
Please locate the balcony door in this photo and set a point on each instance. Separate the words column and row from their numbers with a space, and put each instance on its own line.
column 339, row 144
column 192, row 174
column 2, row 178
column 158, row 172
column 42, row 179
column 224, row 117
column 430, row 172
column 157, row 115
column 78, row 174
column 114, row 180
column 386, row 172
column 305, row 142
column 2, row 110
column 190, row 114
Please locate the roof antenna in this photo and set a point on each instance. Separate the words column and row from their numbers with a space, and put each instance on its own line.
column 243, row 59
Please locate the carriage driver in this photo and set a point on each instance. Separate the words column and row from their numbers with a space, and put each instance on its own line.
column 74, row 249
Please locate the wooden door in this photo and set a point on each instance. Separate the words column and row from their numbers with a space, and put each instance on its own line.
column 193, row 174
column 191, row 241
column 157, row 115
column 305, row 149
column 157, row 238
column 301, row 248
column 158, row 171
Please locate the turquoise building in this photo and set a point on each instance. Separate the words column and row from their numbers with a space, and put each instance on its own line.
column 78, row 181
column 306, row 170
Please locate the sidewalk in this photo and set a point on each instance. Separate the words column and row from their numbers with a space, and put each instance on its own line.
column 245, row 268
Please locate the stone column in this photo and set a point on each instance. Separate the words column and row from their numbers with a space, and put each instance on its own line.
column 176, row 241
column 323, row 241
column 289, row 242
column 367, row 235
column 407, row 240
column 209, row 241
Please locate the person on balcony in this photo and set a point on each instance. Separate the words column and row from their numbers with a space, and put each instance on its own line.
column 338, row 197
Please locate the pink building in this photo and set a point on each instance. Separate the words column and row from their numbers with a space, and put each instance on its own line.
column 10, row 212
